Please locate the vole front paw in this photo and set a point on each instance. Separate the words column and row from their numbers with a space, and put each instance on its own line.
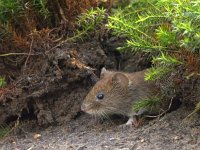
column 125, row 126
column 132, row 122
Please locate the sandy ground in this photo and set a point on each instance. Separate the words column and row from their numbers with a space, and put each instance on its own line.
column 169, row 132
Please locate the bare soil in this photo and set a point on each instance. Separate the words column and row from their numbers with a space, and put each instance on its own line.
column 169, row 132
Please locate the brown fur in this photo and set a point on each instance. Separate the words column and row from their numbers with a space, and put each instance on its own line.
column 120, row 91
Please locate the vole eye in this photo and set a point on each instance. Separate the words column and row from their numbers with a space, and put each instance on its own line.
column 100, row 96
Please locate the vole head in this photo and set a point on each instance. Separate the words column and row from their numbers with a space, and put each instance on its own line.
column 107, row 95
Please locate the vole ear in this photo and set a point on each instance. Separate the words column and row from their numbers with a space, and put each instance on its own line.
column 120, row 79
column 103, row 72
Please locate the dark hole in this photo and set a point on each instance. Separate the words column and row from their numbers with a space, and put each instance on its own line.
column 28, row 114
column 78, row 114
column 176, row 103
column 11, row 118
column 118, row 119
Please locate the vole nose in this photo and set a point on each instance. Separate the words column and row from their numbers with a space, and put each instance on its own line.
column 85, row 107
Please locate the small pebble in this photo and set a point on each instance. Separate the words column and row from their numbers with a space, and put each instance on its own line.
column 176, row 138
column 142, row 140
column 36, row 136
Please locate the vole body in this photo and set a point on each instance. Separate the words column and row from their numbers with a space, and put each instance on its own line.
column 116, row 92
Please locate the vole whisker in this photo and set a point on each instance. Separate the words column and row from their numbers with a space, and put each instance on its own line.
column 105, row 115
column 101, row 117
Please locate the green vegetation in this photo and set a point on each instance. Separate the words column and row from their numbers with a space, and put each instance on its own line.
column 163, row 64
column 156, row 73
column 88, row 23
column 159, row 25
column 2, row 82
column 12, row 10
column 147, row 103
column 9, row 9
column 4, row 130
column 168, row 30
column 41, row 6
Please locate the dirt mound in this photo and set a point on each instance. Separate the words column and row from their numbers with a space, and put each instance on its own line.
column 52, row 87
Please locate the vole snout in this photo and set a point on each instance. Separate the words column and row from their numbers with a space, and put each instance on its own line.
column 88, row 107
column 85, row 107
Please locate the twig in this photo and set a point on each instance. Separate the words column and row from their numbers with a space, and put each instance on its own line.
column 29, row 52
column 11, row 54
column 61, row 11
